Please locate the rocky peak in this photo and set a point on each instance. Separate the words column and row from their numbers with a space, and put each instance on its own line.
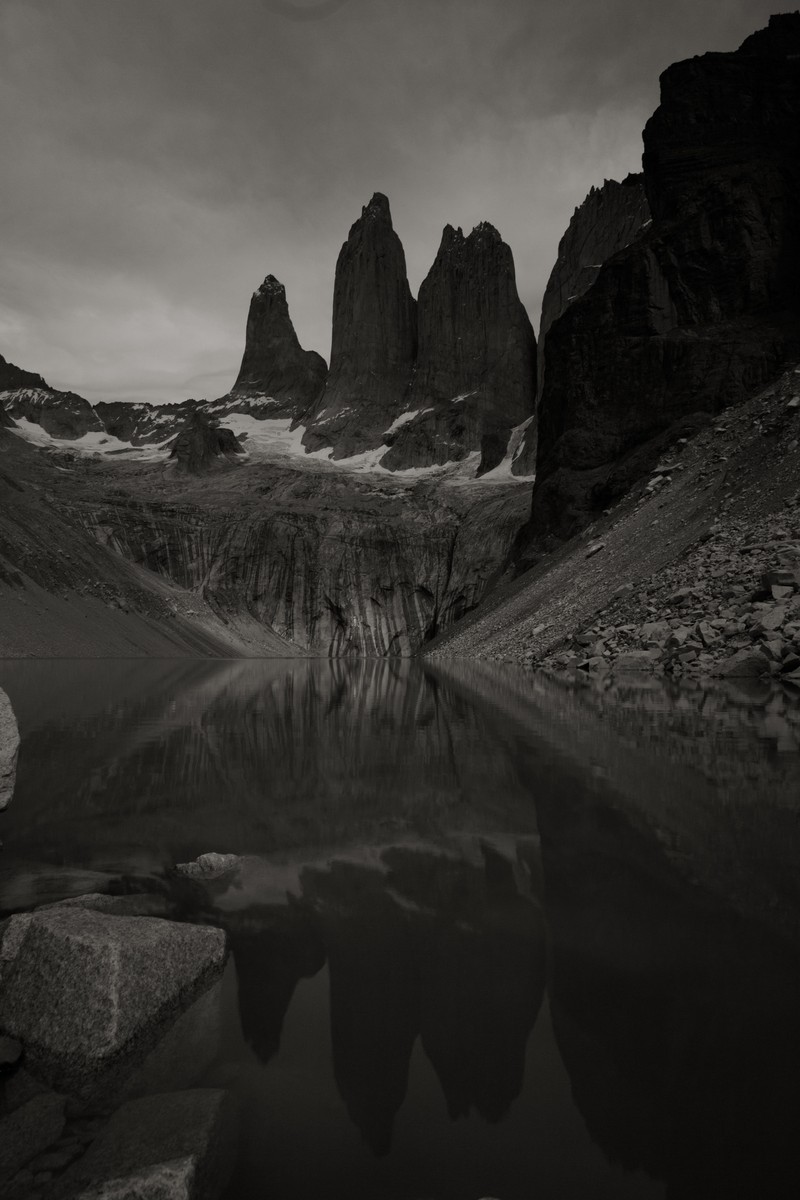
column 374, row 338
column 26, row 395
column 475, row 375
column 702, row 307
column 274, row 363
column 203, row 446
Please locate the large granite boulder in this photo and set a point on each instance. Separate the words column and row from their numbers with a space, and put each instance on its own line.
column 475, row 375
column 9, row 747
column 172, row 1146
column 701, row 308
column 90, row 994
column 374, row 339
column 275, row 366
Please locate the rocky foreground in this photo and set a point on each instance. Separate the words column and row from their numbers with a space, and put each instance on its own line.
column 696, row 572
column 101, row 1010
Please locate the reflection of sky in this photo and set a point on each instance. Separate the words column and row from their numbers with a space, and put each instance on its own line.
column 161, row 159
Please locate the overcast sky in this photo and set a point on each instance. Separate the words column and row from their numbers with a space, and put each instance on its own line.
column 160, row 157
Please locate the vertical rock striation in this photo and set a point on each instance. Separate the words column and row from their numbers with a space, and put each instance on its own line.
column 702, row 307
column 475, row 376
column 275, row 367
column 374, row 339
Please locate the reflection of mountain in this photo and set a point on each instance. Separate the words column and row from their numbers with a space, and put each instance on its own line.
column 273, row 948
column 433, row 946
column 250, row 756
column 676, row 1020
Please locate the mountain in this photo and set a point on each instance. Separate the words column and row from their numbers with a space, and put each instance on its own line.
column 202, row 445
column 374, row 339
column 275, row 367
column 25, row 395
column 475, row 373
column 702, row 306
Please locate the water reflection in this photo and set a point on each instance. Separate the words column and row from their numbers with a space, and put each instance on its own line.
column 490, row 937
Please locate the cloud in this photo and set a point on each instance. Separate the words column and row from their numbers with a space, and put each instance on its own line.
column 161, row 159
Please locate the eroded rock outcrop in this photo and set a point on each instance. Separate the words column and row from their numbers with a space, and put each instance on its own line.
column 203, row 445
column 374, row 339
column 702, row 306
column 65, row 415
column 475, row 374
column 275, row 366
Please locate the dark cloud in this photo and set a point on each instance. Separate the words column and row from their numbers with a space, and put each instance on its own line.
column 161, row 158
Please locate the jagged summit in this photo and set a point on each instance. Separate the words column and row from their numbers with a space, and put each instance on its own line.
column 274, row 364
column 475, row 376
column 374, row 338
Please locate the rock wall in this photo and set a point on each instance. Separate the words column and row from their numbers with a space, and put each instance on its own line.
column 331, row 575
column 24, row 394
column 374, row 339
column 475, row 373
column 702, row 306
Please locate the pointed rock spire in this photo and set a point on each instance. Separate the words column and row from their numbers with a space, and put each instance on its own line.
column 374, row 338
column 274, row 363
column 476, row 365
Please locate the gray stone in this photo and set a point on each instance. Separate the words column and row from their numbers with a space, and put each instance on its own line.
column 745, row 663
column 145, row 904
column 9, row 747
column 29, row 1130
column 173, row 1146
column 636, row 660
column 12, row 935
column 90, row 994
column 210, row 864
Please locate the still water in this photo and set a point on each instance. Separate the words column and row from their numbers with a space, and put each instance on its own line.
column 489, row 937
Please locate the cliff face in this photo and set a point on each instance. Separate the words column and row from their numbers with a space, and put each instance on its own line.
column 275, row 366
column 475, row 374
column 374, row 339
column 702, row 306
column 326, row 564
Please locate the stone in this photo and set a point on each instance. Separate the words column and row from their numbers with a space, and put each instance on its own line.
column 12, row 935
column 772, row 619
column 90, row 994
column 594, row 549
column 781, row 592
column 744, row 663
column 29, row 1130
column 171, row 1146
column 636, row 660
column 210, row 864
column 9, row 748
column 137, row 904
column 656, row 631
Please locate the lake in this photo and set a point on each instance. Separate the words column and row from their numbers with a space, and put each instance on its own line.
column 491, row 936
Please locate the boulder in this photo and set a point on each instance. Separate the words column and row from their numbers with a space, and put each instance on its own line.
column 202, row 445
column 172, row 1146
column 90, row 994
column 745, row 663
column 9, row 747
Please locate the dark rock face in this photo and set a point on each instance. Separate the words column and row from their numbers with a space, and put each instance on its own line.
column 61, row 414
column 475, row 376
column 5, row 419
column 374, row 339
column 274, row 365
column 202, row 446
column 702, row 307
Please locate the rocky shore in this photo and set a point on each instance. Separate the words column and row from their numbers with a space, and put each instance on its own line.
column 108, row 1020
